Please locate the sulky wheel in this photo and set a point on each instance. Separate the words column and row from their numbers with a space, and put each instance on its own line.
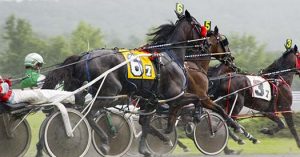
column 119, row 132
column 156, row 145
column 59, row 144
column 14, row 142
column 211, row 134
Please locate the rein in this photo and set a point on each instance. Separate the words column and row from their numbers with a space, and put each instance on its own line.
column 171, row 44
column 207, row 54
column 280, row 71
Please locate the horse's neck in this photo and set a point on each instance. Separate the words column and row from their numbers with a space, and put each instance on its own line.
column 180, row 53
column 204, row 64
column 288, row 78
column 219, row 70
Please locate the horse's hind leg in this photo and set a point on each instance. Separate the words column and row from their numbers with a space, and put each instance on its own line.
column 250, row 137
column 40, row 146
column 290, row 122
column 155, row 132
column 235, row 137
column 176, row 106
column 272, row 131
column 145, row 123
column 209, row 104
column 183, row 146
column 103, row 136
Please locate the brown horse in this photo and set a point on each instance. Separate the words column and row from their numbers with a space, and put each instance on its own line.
column 281, row 92
column 197, row 74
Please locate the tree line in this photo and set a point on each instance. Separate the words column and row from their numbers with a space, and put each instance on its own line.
column 17, row 39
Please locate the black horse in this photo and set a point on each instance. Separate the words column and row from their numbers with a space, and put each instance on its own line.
column 281, row 92
column 171, row 83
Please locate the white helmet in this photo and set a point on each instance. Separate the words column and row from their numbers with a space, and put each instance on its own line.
column 32, row 59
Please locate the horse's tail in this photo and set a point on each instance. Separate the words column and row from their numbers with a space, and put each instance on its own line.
column 64, row 72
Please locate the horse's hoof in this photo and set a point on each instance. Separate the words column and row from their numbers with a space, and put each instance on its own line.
column 186, row 150
column 146, row 153
column 143, row 150
column 241, row 142
column 232, row 152
column 266, row 131
column 169, row 143
column 255, row 141
column 39, row 154
column 104, row 149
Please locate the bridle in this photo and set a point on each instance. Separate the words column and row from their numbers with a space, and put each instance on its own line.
column 228, row 61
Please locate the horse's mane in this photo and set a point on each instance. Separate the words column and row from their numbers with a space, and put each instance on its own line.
column 162, row 33
column 275, row 65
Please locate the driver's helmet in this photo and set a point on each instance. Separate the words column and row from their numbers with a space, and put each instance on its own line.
column 34, row 60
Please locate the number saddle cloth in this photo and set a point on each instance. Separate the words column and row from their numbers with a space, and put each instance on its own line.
column 260, row 87
column 141, row 72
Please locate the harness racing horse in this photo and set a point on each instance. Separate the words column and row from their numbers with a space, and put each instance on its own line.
column 280, row 82
column 196, row 64
column 170, row 84
column 198, row 81
column 197, row 74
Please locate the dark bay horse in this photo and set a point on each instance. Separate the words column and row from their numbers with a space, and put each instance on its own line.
column 281, row 92
column 172, row 81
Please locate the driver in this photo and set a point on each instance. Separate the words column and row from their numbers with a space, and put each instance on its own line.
column 33, row 96
column 33, row 63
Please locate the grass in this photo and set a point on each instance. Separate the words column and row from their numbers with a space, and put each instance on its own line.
column 35, row 122
column 268, row 145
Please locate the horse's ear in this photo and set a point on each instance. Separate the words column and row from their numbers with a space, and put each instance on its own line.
column 216, row 30
column 187, row 15
column 295, row 48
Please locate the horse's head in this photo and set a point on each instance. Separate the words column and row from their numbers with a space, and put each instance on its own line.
column 290, row 59
column 227, row 65
column 218, row 43
column 185, row 28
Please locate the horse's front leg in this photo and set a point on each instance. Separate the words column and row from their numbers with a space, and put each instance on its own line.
column 172, row 118
column 40, row 146
column 290, row 122
column 276, row 119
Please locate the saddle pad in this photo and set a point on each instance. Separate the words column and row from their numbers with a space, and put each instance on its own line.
column 139, row 68
column 260, row 90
